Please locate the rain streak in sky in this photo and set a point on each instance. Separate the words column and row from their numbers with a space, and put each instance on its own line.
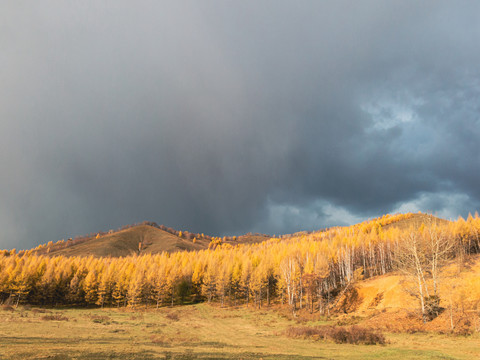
column 229, row 117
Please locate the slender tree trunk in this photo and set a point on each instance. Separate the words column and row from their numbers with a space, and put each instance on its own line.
column 260, row 298
column 268, row 295
column 328, row 303
column 451, row 317
column 422, row 300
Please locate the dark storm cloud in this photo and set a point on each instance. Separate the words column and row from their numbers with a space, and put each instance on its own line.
column 225, row 118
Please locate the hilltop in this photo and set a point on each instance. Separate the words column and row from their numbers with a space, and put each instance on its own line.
column 139, row 239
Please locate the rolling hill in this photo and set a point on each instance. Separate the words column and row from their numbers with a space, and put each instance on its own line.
column 415, row 221
column 149, row 238
column 140, row 239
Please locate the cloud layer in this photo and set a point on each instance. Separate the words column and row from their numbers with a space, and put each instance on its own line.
column 225, row 118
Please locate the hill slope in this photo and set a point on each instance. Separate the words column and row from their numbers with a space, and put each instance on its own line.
column 139, row 239
column 146, row 238
column 127, row 242
column 415, row 221
column 389, row 302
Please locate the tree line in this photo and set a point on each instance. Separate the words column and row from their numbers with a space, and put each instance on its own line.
column 304, row 271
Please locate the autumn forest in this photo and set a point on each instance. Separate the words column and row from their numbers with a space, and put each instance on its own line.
column 302, row 271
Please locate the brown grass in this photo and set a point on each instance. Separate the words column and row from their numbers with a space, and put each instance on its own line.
column 208, row 332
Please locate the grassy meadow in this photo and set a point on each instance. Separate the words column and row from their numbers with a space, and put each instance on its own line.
column 196, row 331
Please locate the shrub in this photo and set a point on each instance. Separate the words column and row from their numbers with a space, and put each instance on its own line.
column 100, row 319
column 57, row 317
column 306, row 332
column 414, row 329
column 172, row 316
column 160, row 340
column 432, row 307
column 37, row 311
column 357, row 335
column 339, row 334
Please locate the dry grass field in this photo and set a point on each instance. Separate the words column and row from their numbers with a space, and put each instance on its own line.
column 196, row 331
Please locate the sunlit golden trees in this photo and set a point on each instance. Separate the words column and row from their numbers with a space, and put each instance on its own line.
column 90, row 287
column 288, row 268
column 420, row 254
column 246, row 278
column 223, row 280
column 235, row 284
column 258, row 279
column 135, row 292
column 309, row 268
column 75, row 292
column 120, row 289
column 208, row 286
column 105, row 286
column 21, row 284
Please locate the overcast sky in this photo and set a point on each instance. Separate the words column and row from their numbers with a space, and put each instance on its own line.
column 227, row 117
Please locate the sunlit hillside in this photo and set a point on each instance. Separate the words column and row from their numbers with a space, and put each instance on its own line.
column 139, row 239
column 393, row 262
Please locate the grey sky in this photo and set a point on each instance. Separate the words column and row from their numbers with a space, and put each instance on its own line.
column 228, row 117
